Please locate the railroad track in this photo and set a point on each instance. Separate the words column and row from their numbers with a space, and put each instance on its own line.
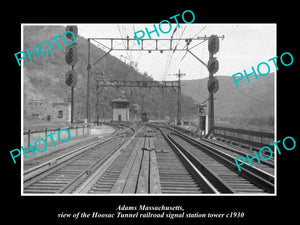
column 103, row 181
column 148, row 165
column 131, row 171
column 147, row 160
column 220, row 169
column 43, row 158
column 267, row 166
column 64, row 173
column 177, row 174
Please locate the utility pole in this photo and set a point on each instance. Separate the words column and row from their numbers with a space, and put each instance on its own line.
column 182, row 44
column 97, row 104
column 179, row 75
column 88, row 84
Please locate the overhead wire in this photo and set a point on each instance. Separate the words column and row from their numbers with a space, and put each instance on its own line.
column 129, row 57
column 179, row 37
column 123, row 41
column 169, row 58
column 140, row 52
column 194, row 45
column 199, row 83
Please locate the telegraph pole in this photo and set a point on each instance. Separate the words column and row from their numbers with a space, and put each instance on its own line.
column 179, row 75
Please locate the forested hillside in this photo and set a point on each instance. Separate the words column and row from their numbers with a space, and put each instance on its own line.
column 44, row 79
column 251, row 103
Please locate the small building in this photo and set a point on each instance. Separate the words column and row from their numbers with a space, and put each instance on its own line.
column 120, row 109
column 35, row 109
column 59, row 112
column 41, row 109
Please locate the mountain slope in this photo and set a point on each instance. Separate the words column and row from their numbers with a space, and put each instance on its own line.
column 44, row 79
column 249, row 100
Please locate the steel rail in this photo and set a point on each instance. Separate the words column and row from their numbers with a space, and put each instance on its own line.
column 213, row 182
column 258, row 177
column 88, row 183
column 54, row 163
column 242, row 153
column 34, row 174
column 88, row 171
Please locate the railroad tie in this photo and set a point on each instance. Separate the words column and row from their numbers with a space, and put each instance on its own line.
column 119, row 186
column 140, row 175
column 131, row 182
column 154, row 179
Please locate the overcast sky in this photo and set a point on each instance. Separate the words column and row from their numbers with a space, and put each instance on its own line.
column 244, row 45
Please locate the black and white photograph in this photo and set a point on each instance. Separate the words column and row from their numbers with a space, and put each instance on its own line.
column 170, row 119
column 163, row 116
